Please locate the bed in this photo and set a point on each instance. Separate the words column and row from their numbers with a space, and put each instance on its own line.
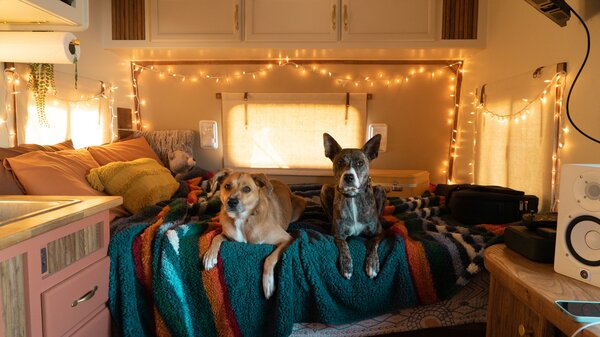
column 431, row 273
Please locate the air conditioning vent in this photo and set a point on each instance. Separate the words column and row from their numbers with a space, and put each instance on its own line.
column 556, row 10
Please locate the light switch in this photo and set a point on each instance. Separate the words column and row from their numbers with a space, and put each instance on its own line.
column 379, row 128
column 209, row 137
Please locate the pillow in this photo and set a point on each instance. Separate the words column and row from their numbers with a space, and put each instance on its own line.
column 8, row 183
column 54, row 173
column 141, row 182
column 123, row 151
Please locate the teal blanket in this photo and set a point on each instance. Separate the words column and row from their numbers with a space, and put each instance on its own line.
column 158, row 286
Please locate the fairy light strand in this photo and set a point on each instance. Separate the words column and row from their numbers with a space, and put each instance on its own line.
column 397, row 80
column 343, row 80
column 557, row 80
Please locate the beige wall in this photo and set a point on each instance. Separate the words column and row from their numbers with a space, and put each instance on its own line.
column 521, row 39
column 416, row 112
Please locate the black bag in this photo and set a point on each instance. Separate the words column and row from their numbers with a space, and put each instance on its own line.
column 476, row 204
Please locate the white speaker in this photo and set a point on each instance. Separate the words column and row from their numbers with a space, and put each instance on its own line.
column 577, row 253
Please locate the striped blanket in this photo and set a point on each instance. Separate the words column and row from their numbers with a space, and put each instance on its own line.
column 159, row 288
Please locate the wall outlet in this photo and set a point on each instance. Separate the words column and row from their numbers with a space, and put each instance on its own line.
column 209, row 137
column 379, row 128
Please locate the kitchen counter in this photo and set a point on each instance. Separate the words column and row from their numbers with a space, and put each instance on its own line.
column 26, row 228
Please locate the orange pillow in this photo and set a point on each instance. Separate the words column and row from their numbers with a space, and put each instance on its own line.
column 8, row 184
column 126, row 150
column 54, row 173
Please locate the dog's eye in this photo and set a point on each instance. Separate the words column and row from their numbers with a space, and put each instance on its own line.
column 341, row 162
column 246, row 189
column 360, row 163
column 227, row 187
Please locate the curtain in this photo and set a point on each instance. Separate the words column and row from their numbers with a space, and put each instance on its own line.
column 82, row 114
column 269, row 130
column 516, row 134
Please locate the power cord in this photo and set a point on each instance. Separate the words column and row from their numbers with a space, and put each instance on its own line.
column 584, row 327
column 587, row 54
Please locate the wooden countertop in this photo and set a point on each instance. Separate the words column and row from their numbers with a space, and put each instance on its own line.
column 26, row 228
column 537, row 285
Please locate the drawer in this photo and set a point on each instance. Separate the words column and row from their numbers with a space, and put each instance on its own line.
column 98, row 326
column 67, row 303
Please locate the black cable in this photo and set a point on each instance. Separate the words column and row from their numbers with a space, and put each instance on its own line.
column 587, row 54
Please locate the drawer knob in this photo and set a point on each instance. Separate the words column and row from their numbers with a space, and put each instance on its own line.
column 85, row 297
column 523, row 331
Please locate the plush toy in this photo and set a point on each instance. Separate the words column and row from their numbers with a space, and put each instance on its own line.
column 180, row 163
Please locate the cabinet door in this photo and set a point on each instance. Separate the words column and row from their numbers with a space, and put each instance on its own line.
column 195, row 20
column 388, row 20
column 508, row 316
column 292, row 20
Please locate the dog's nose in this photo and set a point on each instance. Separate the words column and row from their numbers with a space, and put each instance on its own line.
column 349, row 178
column 233, row 202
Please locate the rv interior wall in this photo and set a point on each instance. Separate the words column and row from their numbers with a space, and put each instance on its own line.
column 417, row 112
column 520, row 39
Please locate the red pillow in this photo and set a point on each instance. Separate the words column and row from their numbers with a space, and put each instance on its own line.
column 54, row 173
column 126, row 150
column 8, row 184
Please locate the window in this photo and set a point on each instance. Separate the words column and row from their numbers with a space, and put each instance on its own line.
column 286, row 130
column 81, row 114
column 517, row 130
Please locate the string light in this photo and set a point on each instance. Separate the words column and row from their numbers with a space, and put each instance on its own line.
column 340, row 79
column 525, row 110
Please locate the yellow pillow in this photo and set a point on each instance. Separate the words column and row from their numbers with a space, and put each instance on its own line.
column 141, row 182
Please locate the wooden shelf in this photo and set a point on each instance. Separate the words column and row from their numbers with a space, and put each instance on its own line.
column 536, row 286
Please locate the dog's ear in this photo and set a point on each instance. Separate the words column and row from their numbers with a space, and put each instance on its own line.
column 216, row 180
column 371, row 147
column 171, row 155
column 261, row 181
column 332, row 148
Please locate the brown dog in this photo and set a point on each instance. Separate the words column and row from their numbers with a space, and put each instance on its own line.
column 255, row 210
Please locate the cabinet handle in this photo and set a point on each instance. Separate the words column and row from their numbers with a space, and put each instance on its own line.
column 236, row 17
column 525, row 331
column 346, row 17
column 333, row 17
column 85, row 297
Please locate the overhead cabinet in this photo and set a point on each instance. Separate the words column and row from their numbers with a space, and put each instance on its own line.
column 388, row 20
column 195, row 20
column 337, row 22
column 292, row 20
column 46, row 15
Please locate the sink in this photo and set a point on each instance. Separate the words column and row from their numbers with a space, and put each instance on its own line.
column 13, row 210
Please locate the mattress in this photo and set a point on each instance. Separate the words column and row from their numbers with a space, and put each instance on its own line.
column 468, row 306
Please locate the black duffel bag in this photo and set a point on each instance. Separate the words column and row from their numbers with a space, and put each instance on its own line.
column 477, row 204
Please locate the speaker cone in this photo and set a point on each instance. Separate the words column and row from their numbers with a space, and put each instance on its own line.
column 583, row 239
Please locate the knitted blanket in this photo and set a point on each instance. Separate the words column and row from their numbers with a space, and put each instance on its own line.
column 158, row 286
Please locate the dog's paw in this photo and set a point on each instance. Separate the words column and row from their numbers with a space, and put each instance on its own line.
column 210, row 259
column 372, row 265
column 268, row 285
column 346, row 268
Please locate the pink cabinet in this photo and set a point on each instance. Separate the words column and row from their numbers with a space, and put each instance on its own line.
column 56, row 283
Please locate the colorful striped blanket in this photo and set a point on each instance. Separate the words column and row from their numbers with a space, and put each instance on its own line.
column 158, row 286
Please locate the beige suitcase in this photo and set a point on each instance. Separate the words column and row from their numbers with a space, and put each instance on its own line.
column 401, row 183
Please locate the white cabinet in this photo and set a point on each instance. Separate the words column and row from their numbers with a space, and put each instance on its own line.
column 195, row 20
column 291, row 20
column 68, row 15
column 388, row 20
column 345, row 20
